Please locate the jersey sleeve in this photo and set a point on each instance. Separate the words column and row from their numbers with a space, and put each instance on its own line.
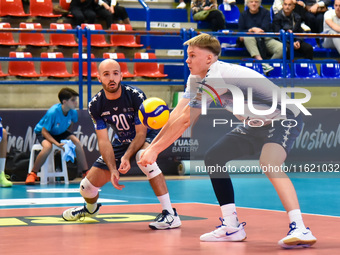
column 48, row 120
column 138, row 99
column 97, row 120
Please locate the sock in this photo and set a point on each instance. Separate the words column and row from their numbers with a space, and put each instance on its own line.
column 2, row 164
column 295, row 215
column 165, row 202
column 229, row 215
column 91, row 207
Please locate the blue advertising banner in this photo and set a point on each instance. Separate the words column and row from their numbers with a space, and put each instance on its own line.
column 319, row 140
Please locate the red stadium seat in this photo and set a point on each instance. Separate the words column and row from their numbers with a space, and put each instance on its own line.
column 2, row 74
column 97, row 40
column 65, row 4
column 123, row 65
column 21, row 68
column 7, row 38
column 75, row 66
column 62, row 39
column 42, row 8
column 12, row 8
column 123, row 40
column 151, row 70
column 54, row 68
column 35, row 39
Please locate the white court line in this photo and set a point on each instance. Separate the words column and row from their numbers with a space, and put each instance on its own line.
column 52, row 201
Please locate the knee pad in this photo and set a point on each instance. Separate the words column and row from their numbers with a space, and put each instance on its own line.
column 150, row 171
column 87, row 190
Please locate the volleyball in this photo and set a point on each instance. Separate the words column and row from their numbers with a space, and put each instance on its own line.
column 154, row 113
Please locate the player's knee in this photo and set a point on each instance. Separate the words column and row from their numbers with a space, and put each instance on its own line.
column 87, row 190
column 150, row 171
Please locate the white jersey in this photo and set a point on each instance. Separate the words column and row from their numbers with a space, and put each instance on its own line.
column 231, row 84
column 330, row 14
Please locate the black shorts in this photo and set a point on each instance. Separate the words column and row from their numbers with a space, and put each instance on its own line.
column 283, row 132
column 120, row 149
column 58, row 138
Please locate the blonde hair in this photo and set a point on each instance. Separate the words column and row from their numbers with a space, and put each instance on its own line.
column 205, row 41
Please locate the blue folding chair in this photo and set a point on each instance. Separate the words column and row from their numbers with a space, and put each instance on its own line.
column 277, row 72
column 231, row 13
column 255, row 66
column 330, row 70
column 305, row 69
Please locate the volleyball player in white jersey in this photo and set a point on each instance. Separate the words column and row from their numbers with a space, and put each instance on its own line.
column 259, row 134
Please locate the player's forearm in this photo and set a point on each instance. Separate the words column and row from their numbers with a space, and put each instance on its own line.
column 106, row 150
column 173, row 132
column 173, row 116
column 135, row 145
column 48, row 136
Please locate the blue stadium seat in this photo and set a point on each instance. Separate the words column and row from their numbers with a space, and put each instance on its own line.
column 230, row 12
column 330, row 69
column 277, row 72
column 255, row 66
column 305, row 69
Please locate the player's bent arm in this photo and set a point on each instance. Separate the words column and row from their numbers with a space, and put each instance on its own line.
column 176, row 129
column 137, row 142
column 333, row 25
column 105, row 149
column 176, row 112
column 50, row 138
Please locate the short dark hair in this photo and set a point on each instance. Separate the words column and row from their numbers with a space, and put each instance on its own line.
column 66, row 94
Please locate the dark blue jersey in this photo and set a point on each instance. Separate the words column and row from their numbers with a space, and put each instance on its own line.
column 121, row 114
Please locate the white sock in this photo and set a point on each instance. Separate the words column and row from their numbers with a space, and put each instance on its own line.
column 230, row 215
column 295, row 215
column 165, row 202
column 2, row 164
column 91, row 207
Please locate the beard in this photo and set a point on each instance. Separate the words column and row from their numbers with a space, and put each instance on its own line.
column 112, row 90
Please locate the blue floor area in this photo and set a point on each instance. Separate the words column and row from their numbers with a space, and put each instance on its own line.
column 316, row 195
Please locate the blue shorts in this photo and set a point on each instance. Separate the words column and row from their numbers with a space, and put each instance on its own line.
column 120, row 149
column 58, row 138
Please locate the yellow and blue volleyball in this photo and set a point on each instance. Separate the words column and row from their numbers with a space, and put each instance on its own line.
column 154, row 113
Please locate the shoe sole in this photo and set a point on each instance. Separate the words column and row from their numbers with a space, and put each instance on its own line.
column 297, row 243
column 170, row 227
column 223, row 240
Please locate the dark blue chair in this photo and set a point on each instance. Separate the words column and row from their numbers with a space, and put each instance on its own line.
column 253, row 65
column 305, row 69
column 231, row 13
column 277, row 72
column 330, row 69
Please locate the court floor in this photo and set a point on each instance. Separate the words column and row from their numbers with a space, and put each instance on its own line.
column 31, row 223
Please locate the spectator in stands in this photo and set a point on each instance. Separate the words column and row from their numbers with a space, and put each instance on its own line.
column 290, row 21
column 314, row 15
column 213, row 16
column 182, row 4
column 118, row 12
column 300, row 8
column 87, row 10
column 256, row 19
column 332, row 26
column 4, row 183
column 54, row 127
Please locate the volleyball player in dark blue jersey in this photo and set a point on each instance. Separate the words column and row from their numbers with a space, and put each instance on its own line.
column 117, row 105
